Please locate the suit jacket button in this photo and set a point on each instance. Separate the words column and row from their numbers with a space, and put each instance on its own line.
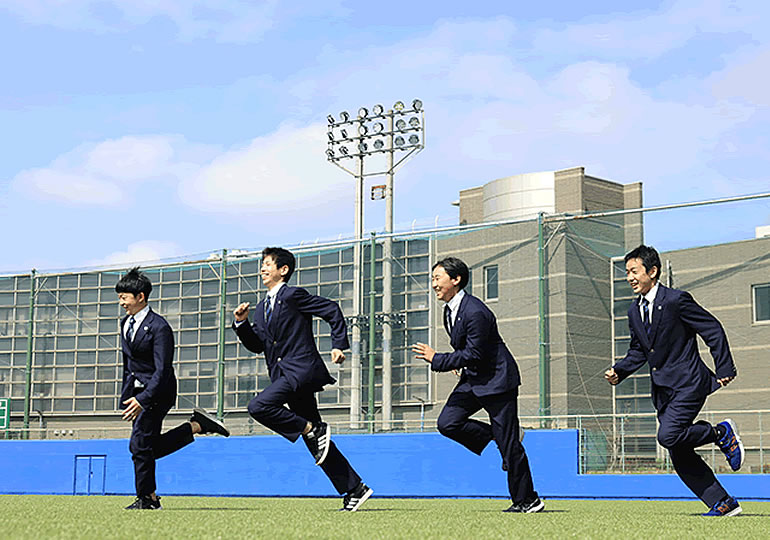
column 279, row 359
column 275, row 342
column 652, row 351
column 655, row 369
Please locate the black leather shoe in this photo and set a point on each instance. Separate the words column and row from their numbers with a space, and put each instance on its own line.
column 208, row 423
column 145, row 503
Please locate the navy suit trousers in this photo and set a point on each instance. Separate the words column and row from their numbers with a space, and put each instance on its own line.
column 148, row 444
column 455, row 422
column 681, row 436
column 268, row 408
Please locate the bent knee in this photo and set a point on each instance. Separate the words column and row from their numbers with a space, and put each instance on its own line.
column 447, row 425
column 668, row 439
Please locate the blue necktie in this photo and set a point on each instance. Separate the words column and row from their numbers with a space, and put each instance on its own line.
column 448, row 320
column 268, row 309
column 130, row 331
column 646, row 315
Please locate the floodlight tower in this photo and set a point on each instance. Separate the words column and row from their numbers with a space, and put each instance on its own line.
column 396, row 134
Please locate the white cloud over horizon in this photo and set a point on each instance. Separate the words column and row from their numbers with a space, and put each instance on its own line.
column 139, row 253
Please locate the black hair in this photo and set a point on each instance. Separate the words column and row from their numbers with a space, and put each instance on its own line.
column 454, row 267
column 282, row 257
column 135, row 282
column 648, row 255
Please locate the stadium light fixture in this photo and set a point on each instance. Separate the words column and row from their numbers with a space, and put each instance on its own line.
column 384, row 134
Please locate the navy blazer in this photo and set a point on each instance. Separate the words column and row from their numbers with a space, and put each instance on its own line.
column 147, row 358
column 489, row 365
column 671, row 349
column 287, row 341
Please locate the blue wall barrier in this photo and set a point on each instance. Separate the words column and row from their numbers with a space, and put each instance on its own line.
column 394, row 465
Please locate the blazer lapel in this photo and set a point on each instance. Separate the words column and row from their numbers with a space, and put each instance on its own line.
column 657, row 312
column 277, row 309
column 140, row 332
column 459, row 317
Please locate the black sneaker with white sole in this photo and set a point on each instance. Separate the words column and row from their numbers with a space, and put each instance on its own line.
column 208, row 423
column 318, row 441
column 353, row 500
column 527, row 508
column 145, row 503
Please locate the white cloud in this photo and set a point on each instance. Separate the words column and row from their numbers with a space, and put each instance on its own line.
column 105, row 173
column 488, row 114
column 229, row 21
column 143, row 252
column 648, row 34
column 68, row 187
column 276, row 172
column 746, row 78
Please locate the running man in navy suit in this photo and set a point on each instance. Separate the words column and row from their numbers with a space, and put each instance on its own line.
column 664, row 324
column 489, row 380
column 283, row 330
column 149, row 388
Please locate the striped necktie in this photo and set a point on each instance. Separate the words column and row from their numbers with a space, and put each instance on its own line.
column 130, row 331
column 268, row 309
column 646, row 315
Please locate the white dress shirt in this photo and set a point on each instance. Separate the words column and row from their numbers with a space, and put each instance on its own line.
column 454, row 305
column 650, row 296
column 138, row 318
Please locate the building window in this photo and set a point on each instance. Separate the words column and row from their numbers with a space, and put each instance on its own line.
column 761, row 303
column 490, row 282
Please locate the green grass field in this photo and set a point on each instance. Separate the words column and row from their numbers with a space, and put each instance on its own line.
column 38, row 516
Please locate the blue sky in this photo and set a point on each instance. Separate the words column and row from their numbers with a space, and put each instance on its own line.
column 136, row 130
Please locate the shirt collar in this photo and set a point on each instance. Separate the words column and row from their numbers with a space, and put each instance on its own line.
column 272, row 292
column 139, row 317
column 454, row 303
column 650, row 296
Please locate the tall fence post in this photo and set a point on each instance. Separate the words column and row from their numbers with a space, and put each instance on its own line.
column 222, row 309
column 761, row 447
column 30, row 341
column 545, row 398
column 622, row 444
column 372, row 329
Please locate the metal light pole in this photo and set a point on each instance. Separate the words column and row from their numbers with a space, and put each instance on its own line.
column 404, row 135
